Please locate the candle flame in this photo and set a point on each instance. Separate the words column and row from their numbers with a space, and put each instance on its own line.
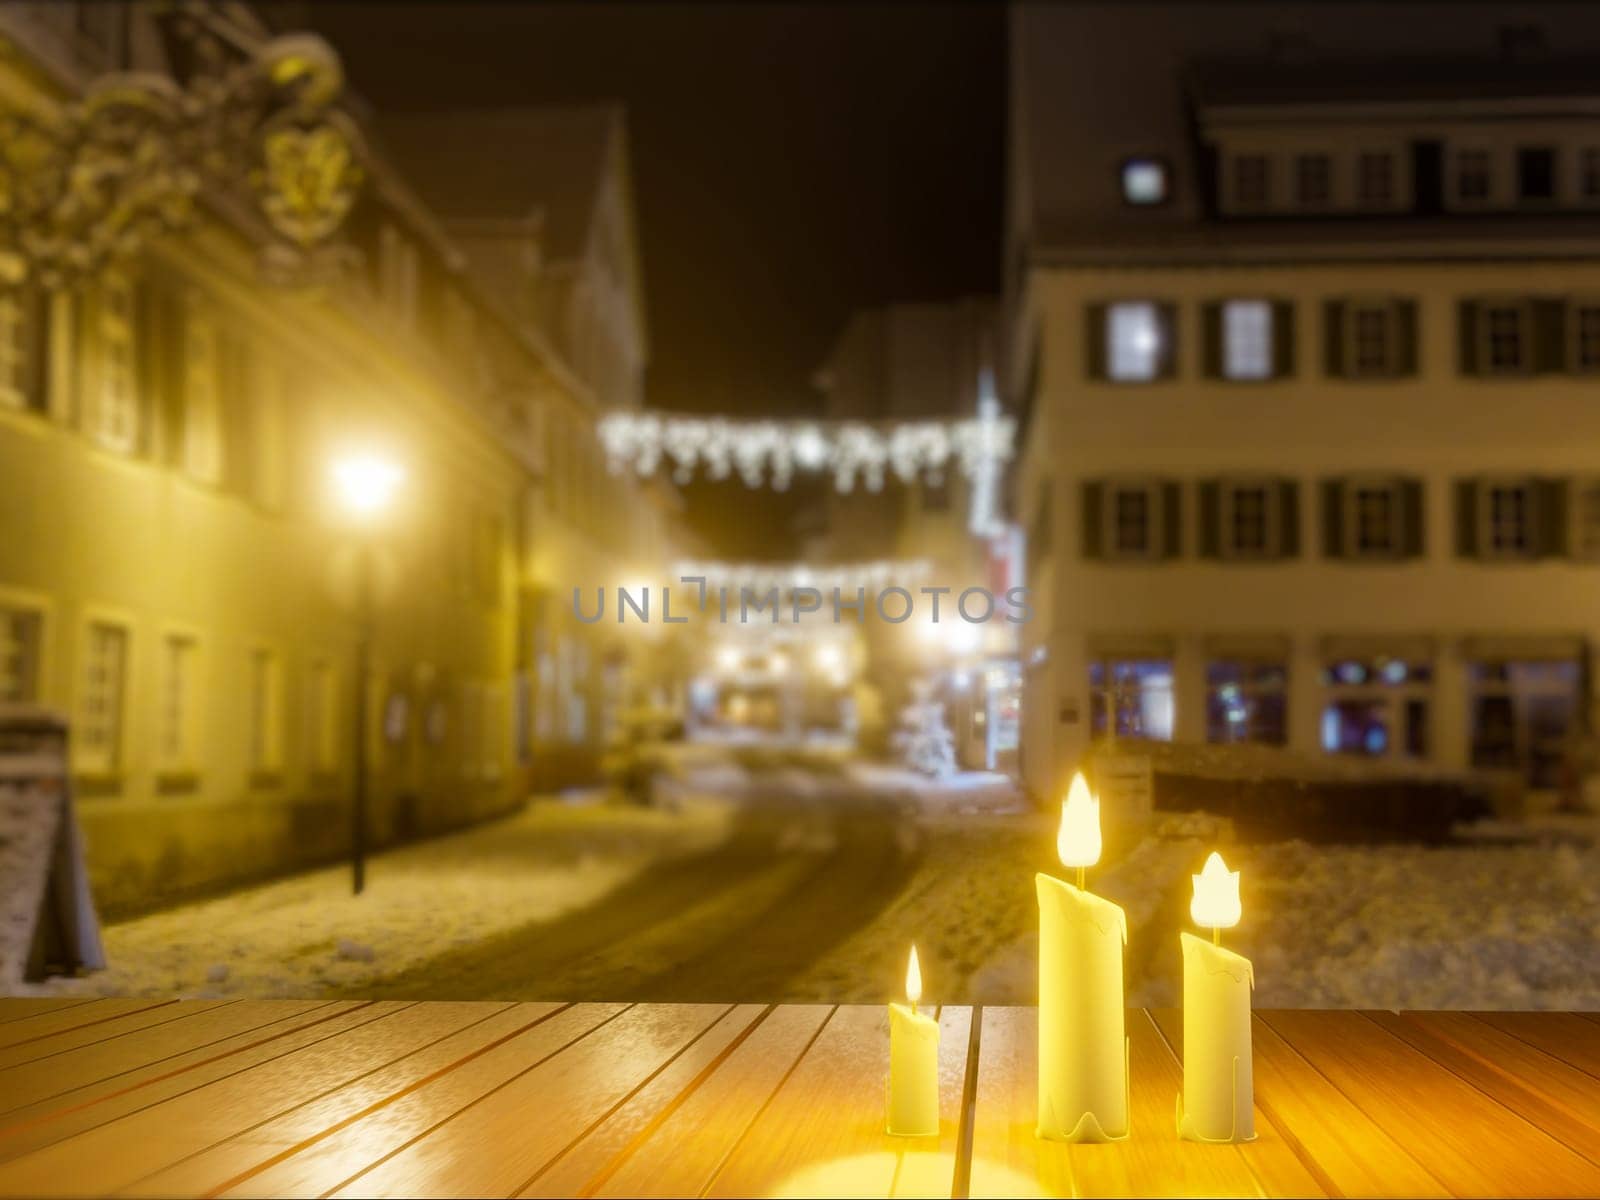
column 1078, row 843
column 1216, row 895
column 913, row 979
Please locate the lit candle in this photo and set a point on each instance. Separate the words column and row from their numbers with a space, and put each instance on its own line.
column 913, row 1063
column 1083, row 1049
column 1218, row 1098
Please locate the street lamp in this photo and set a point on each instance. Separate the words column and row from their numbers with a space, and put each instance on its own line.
column 366, row 485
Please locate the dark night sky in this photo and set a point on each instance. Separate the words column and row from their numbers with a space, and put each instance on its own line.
column 791, row 163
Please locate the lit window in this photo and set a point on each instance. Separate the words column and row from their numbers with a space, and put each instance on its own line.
column 1133, row 517
column 20, row 630
column 1375, row 177
column 1133, row 336
column 323, row 716
column 1247, row 339
column 1504, row 337
column 1247, row 702
column 1472, row 175
column 1133, row 697
column 99, row 734
column 1375, row 520
column 1144, row 181
column 266, row 699
column 1508, row 519
column 117, row 411
column 1250, row 181
column 1248, row 520
column 1586, row 337
column 1377, row 707
column 1313, row 175
column 176, row 741
column 1372, row 348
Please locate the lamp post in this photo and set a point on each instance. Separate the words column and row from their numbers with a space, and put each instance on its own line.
column 366, row 486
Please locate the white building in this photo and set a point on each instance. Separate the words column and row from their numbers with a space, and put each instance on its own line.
column 1304, row 314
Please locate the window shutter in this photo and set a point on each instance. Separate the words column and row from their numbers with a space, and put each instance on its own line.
column 146, row 332
column 1333, row 518
column 1288, row 519
column 1549, row 335
column 1167, row 323
column 1094, row 341
column 1405, row 337
column 1467, row 336
column 1171, row 520
column 1412, row 517
column 34, row 341
column 1551, row 512
column 1210, row 518
column 1093, row 524
column 1333, row 313
column 1282, row 339
column 1211, row 339
column 1467, row 518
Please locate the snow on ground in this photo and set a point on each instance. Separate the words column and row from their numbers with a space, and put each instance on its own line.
column 308, row 934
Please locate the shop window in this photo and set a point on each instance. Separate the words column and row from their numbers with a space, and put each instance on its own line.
column 1131, row 697
column 1376, row 707
column 1247, row 701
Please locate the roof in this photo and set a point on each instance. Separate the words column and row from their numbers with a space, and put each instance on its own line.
column 509, row 164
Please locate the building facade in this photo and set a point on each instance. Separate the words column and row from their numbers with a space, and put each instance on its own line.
column 175, row 576
column 1303, row 327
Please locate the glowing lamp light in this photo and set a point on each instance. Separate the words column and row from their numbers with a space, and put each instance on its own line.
column 729, row 658
column 913, row 979
column 1078, row 842
column 828, row 658
column 1216, row 895
column 779, row 664
column 367, row 484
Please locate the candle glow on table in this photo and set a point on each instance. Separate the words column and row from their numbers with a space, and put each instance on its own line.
column 1083, row 1048
column 1218, row 1101
column 913, row 1063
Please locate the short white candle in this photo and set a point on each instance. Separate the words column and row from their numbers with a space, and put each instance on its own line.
column 1083, row 1055
column 913, row 1063
column 1218, row 1093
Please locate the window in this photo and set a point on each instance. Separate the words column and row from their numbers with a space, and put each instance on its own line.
column 99, row 734
column 1247, row 701
column 116, row 415
column 202, row 402
column 1372, row 340
column 1507, row 518
column 14, row 349
column 1134, row 341
column 1536, row 173
column 1585, row 336
column 1249, row 520
column 1586, row 520
column 1375, row 177
column 1374, row 520
column 322, row 716
column 179, row 679
column 1377, row 706
column 1589, row 173
column 1522, row 716
column 266, row 699
column 1313, row 180
column 1131, row 697
column 1503, row 330
column 1472, row 176
column 1144, row 181
column 1250, row 181
column 1133, row 518
column 1247, row 347
column 21, row 632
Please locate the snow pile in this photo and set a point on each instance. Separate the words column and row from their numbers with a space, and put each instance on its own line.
column 307, row 935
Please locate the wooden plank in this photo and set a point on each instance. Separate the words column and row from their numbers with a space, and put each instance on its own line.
column 14, row 1008
column 1566, row 1036
column 823, row 1131
column 680, row 1155
column 1345, row 1150
column 341, row 1153
column 587, row 1161
column 85, row 1077
column 115, row 1154
column 1152, row 1161
column 77, row 1016
column 1471, row 1144
column 569, row 1091
column 1561, row 1100
column 101, row 1032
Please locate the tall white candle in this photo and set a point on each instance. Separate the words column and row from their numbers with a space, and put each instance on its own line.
column 1083, row 1051
column 913, row 1063
column 1218, row 1103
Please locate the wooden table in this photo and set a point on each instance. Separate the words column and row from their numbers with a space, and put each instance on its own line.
column 310, row 1098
